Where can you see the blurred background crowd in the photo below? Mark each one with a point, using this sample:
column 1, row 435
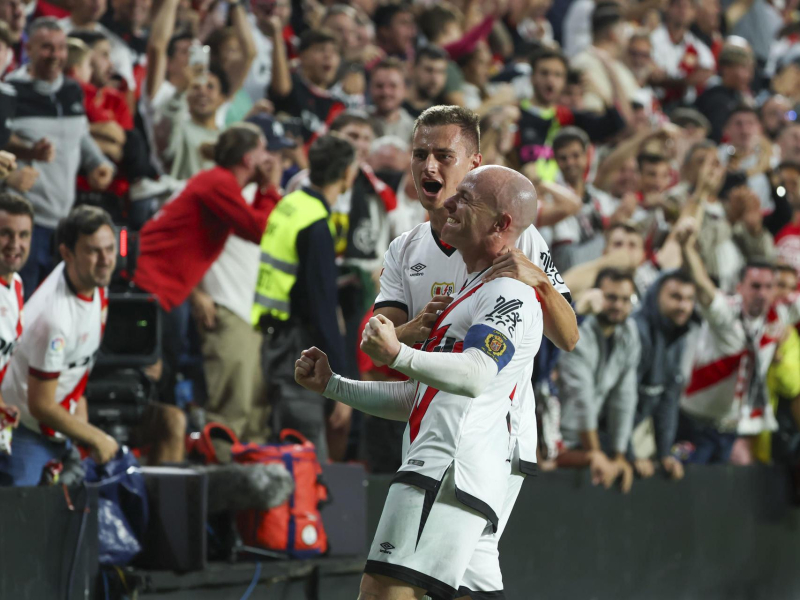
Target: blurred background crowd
column 661, row 135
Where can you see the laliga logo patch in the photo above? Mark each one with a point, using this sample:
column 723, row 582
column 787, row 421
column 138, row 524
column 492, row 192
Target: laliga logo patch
column 495, row 345
column 57, row 344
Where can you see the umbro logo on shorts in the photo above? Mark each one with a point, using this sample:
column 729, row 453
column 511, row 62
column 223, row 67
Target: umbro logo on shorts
column 386, row 548
column 417, row 268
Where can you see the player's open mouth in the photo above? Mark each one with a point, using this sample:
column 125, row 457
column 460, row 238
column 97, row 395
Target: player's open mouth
column 432, row 187
column 451, row 221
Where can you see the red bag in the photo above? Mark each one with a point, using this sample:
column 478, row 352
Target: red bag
column 295, row 527
column 200, row 446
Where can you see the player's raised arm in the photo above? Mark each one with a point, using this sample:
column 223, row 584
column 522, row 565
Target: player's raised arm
column 560, row 323
column 386, row 399
column 466, row 374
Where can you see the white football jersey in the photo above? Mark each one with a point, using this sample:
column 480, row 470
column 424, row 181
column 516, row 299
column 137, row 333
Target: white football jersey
column 418, row 266
column 502, row 319
column 11, row 301
column 61, row 340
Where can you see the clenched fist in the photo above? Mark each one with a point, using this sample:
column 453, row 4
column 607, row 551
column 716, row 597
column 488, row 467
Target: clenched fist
column 312, row 370
column 101, row 176
column 379, row 341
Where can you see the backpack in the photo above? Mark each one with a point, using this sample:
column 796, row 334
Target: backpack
column 295, row 527
column 212, row 445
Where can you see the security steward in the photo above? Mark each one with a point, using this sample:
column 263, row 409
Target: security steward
column 296, row 294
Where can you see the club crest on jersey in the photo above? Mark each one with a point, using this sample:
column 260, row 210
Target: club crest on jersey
column 442, row 289
column 495, row 345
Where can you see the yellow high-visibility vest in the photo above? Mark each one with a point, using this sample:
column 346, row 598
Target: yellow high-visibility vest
column 277, row 272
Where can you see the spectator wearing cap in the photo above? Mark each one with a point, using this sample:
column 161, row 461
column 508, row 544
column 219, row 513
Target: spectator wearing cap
column 59, row 150
column 736, row 69
column 607, row 78
column 221, row 305
column 306, row 93
column 685, row 61
column 387, row 91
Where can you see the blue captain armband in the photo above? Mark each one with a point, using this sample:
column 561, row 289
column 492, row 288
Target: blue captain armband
column 492, row 343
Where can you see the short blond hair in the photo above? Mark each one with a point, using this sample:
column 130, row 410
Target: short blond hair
column 77, row 51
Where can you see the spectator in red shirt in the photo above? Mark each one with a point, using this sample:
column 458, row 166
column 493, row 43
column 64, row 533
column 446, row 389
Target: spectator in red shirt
column 186, row 236
column 110, row 119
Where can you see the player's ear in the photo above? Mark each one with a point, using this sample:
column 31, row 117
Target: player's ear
column 503, row 223
column 477, row 160
column 64, row 252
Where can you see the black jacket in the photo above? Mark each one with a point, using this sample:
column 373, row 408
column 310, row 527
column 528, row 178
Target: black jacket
column 659, row 374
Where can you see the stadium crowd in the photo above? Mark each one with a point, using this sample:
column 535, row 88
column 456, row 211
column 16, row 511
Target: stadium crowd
column 266, row 153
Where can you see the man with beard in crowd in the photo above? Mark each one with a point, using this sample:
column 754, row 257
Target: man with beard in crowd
column 598, row 386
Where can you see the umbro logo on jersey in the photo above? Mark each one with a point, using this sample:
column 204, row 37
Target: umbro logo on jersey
column 386, row 548
column 417, row 268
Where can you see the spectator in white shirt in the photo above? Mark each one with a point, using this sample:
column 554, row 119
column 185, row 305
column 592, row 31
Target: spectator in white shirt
column 686, row 61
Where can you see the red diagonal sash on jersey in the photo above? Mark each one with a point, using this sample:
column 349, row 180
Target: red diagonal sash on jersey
column 69, row 403
column 415, row 420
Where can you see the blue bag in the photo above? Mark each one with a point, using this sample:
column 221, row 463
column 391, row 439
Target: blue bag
column 122, row 507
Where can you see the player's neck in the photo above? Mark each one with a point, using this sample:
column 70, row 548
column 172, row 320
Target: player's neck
column 437, row 219
column 480, row 258
column 329, row 192
column 477, row 260
column 77, row 286
column 6, row 277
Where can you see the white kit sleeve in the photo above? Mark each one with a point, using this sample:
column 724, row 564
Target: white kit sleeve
column 386, row 399
column 464, row 374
